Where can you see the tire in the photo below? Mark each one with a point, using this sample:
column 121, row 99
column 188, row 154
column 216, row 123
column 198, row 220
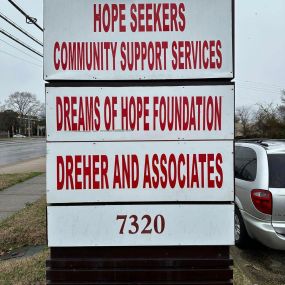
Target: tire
column 241, row 236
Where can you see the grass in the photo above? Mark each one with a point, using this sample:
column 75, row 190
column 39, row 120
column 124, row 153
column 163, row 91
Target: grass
column 7, row 180
column 24, row 271
column 26, row 227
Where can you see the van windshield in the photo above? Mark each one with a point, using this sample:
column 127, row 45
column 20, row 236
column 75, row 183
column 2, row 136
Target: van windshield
column 276, row 163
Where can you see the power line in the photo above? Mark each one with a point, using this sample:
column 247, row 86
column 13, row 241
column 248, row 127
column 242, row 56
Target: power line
column 269, row 89
column 32, row 20
column 259, row 90
column 20, row 42
column 260, row 86
column 260, row 83
column 20, row 29
column 12, row 55
column 38, row 60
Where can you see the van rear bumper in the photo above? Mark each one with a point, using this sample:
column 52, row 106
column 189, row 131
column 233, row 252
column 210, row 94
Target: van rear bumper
column 263, row 231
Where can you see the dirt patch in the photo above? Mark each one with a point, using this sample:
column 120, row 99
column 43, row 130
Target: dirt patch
column 240, row 278
column 32, row 165
column 260, row 265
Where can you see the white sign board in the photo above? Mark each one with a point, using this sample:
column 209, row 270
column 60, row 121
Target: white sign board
column 140, row 172
column 125, row 40
column 140, row 113
column 140, row 225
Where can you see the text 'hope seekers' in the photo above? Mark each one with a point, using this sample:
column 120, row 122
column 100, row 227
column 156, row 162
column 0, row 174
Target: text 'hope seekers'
column 155, row 52
column 144, row 17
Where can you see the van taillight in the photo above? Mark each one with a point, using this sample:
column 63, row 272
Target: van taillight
column 262, row 200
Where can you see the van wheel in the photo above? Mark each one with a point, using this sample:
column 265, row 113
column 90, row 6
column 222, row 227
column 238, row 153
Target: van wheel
column 241, row 236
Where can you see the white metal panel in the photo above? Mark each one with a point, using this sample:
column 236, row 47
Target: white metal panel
column 158, row 171
column 99, row 226
column 208, row 113
column 206, row 28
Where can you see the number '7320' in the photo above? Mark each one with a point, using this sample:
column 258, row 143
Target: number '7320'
column 141, row 225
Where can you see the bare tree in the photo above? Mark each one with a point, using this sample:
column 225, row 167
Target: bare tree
column 243, row 116
column 267, row 121
column 283, row 96
column 26, row 105
column 281, row 108
column 2, row 107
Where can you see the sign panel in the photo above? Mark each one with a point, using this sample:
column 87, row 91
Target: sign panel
column 138, row 225
column 139, row 172
column 140, row 113
column 125, row 40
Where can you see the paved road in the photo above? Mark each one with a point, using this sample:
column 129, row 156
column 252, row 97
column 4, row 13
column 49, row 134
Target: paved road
column 17, row 150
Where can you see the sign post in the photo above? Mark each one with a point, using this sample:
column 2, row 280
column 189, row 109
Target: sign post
column 140, row 129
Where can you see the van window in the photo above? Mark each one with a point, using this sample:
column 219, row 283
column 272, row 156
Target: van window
column 245, row 163
column 276, row 163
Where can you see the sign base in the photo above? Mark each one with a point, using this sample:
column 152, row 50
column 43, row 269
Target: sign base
column 140, row 265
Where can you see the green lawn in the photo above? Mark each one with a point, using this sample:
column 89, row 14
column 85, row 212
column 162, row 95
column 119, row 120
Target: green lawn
column 25, row 228
column 7, row 180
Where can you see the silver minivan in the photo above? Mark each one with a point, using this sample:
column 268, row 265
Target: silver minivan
column 260, row 192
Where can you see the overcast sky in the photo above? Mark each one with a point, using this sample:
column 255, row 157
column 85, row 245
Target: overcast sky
column 259, row 44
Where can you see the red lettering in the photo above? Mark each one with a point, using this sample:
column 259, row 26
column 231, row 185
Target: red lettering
column 95, row 167
column 107, row 113
column 134, row 23
column 205, row 57
column 212, row 55
column 104, row 172
column 122, row 26
column 68, row 171
column 78, row 171
column 86, row 170
column 220, row 177
column 59, row 114
column 146, row 176
column 63, row 56
column 163, row 176
column 56, row 61
column 202, row 160
column 219, row 60
column 66, row 103
column 211, row 182
column 172, row 174
column 182, row 23
column 59, row 173
column 181, row 178
column 195, row 174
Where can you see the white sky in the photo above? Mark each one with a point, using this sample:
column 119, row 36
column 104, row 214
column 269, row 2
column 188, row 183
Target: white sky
column 17, row 74
column 259, row 44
